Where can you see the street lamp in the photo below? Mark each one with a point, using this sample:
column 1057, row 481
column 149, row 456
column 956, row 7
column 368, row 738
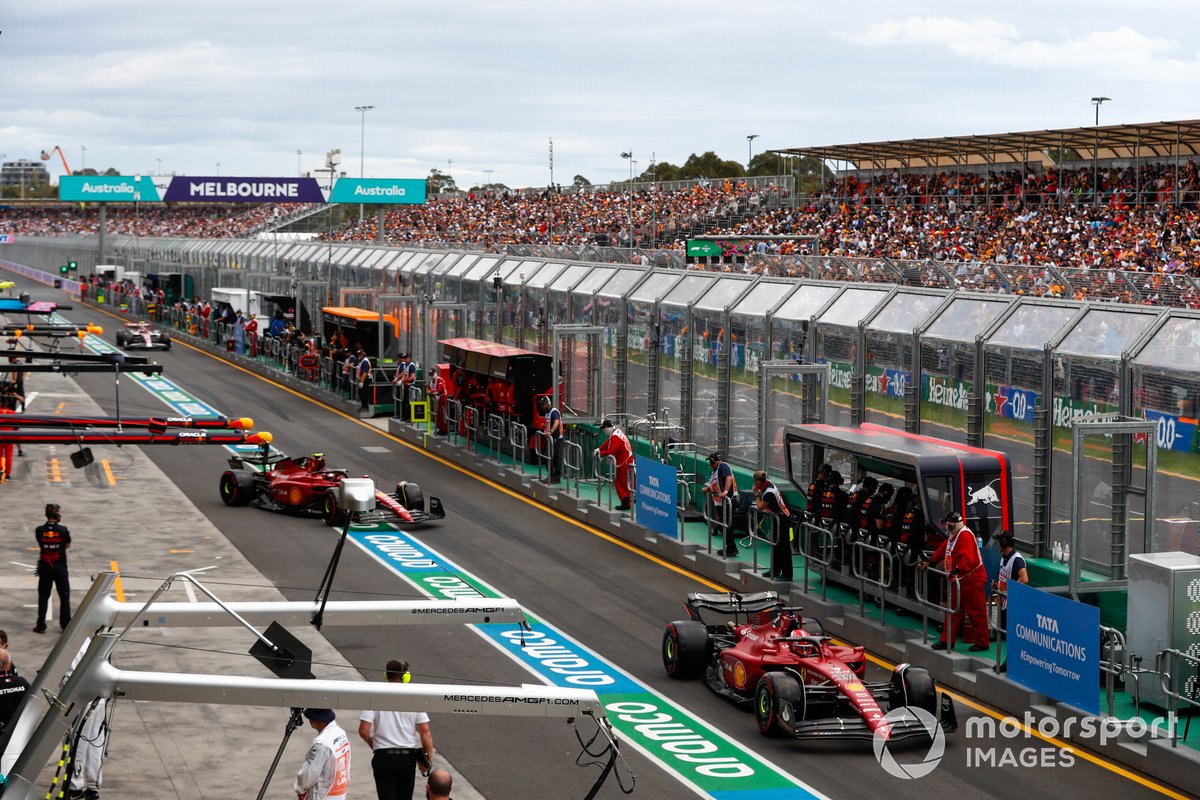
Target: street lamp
column 629, row 157
column 362, row 144
column 488, row 172
column 218, row 169
column 83, row 160
column 299, row 169
column 159, row 160
column 750, row 149
column 1097, row 101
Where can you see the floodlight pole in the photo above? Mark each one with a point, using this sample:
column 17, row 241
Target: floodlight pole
column 362, row 144
column 1097, row 102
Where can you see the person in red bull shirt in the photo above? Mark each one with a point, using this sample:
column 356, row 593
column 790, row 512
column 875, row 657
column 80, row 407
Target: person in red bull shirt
column 53, row 541
column 617, row 445
column 325, row 773
column 964, row 565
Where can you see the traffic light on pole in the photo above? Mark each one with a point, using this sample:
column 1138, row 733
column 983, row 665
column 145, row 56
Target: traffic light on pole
column 63, row 269
column 73, row 265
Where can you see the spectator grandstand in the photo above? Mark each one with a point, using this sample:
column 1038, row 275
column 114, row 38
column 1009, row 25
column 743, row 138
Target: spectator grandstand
column 193, row 221
column 993, row 213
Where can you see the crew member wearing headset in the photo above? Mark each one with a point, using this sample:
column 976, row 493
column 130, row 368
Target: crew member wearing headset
column 963, row 564
column 401, row 742
column 769, row 500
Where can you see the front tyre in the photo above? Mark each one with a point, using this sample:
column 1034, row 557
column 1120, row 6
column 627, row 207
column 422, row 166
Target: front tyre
column 778, row 703
column 331, row 513
column 685, row 649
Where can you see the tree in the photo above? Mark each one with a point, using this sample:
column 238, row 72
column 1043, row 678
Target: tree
column 580, row 181
column 439, row 182
column 662, row 171
column 489, row 187
column 710, row 165
column 112, row 172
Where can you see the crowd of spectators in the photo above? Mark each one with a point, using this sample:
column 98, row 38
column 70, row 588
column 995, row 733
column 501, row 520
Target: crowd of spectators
column 1039, row 232
column 161, row 220
column 577, row 216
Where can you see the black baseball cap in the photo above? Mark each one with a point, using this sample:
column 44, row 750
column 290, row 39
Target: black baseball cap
column 714, row 456
column 952, row 516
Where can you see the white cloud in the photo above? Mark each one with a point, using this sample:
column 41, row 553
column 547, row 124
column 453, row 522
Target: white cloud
column 1121, row 52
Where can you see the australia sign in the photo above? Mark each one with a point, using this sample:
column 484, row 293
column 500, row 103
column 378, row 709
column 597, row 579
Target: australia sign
column 244, row 190
column 392, row 191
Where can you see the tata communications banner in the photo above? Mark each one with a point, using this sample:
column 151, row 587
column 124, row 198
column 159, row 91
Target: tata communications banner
column 1053, row 646
column 657, row 490
column 390, row 191
column 107, row 188
column 244, row 190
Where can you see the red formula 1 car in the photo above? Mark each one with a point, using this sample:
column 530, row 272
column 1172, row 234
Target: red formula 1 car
column 305, row 485
column 799, row 683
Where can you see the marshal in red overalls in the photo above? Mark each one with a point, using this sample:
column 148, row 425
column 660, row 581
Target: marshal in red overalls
column 968, row 579
column 617, row 445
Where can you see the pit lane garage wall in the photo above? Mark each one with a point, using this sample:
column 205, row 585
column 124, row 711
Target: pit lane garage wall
column 639, row 295
column 685, row 347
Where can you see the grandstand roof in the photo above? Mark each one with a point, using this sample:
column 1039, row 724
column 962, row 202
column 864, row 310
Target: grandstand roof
column 1144, row 140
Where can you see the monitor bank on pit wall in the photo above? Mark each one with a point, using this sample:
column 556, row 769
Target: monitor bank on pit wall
column 206, row 189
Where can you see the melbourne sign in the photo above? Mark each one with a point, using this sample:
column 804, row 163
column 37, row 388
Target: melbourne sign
column 107, row 188
column 390, row 191
column 1053, row 646
column 244, row 190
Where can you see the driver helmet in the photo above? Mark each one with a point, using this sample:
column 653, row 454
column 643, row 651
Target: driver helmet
column 317, row 460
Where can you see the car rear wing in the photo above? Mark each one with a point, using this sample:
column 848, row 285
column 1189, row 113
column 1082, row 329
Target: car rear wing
column 734, row 602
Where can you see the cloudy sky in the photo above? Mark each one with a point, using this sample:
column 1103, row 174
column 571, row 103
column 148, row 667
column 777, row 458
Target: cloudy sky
column 486, row 84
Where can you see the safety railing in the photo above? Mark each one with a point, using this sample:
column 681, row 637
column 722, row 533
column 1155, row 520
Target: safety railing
column 718, row 516
column 685, row 457
column 471, row 417
column 937, row 597
column 518, row 440
column 683, row 502
column 1179, row 674
column 573, row 466
column 453, row 413
column 543, row 452
column 755, row 533
column 872, row 564
column 495, row 434
column 604, row 468
column 996, row 624
column 818, row 544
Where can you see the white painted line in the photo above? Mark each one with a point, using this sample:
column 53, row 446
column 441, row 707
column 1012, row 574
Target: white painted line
column 374, row 448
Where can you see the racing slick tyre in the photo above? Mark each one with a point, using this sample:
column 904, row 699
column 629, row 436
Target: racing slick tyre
column 773, row 691
column 331, row 514
column 913, row 687
column 121, row 340
column 166, row 340
column 686, row 649
column 410, row 496
column 237, row 487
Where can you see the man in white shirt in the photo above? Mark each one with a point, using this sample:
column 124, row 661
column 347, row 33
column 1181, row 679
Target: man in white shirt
column 325, row 773
column 400, row 740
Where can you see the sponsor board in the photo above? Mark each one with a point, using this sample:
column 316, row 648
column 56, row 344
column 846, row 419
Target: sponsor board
column 701, row 757
column 7, row 238
column 243, row 190
column 390, row 191
column 657, row 496
column 107, row 188
column 943, row 391
column 879, row 380
column 1010, row 402
column 1053, row 646
column 1174, row 432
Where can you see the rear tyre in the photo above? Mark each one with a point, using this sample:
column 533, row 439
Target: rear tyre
column 121, row 339
column 331, row 512
column 166, row 340
column 685, row 649
column 778, row 699
column 410, row 495
column 913, row 687
column 237, row 487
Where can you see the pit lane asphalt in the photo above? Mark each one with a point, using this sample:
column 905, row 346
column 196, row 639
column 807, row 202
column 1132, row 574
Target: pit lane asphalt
column 611, row 599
